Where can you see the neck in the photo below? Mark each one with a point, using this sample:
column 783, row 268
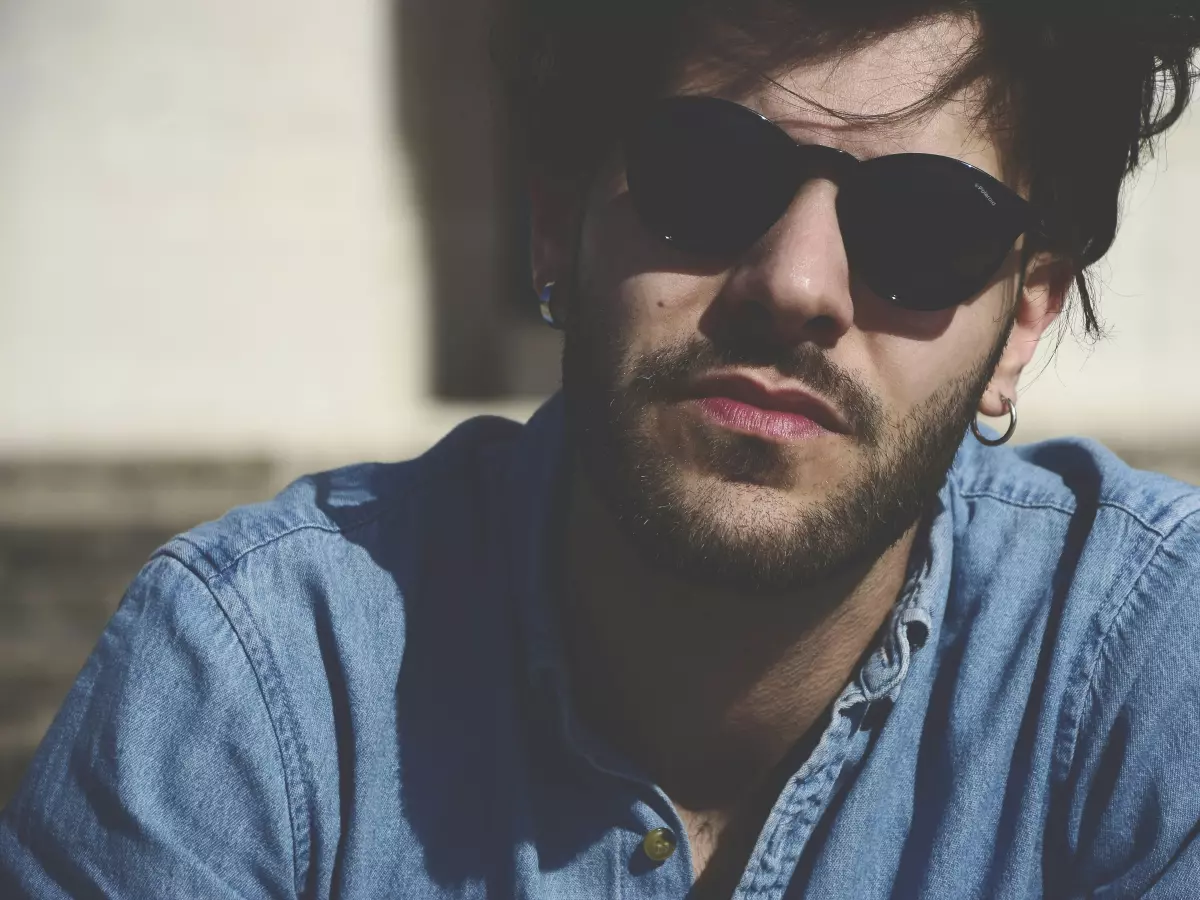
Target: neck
column 708, row 690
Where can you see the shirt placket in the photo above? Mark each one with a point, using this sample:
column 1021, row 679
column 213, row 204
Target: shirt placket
column 658, row 856
column 807, row 795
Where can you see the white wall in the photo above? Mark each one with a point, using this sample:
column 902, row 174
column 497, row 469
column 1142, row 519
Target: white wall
column 207, row 243
column 1142, row 383
column 203, row 242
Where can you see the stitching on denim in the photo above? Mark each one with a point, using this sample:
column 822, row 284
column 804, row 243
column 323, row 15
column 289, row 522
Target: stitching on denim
column 218, row 572
column 1073, row 717
column 1076, row 700
column 375, row 517
column 976, row 493
column 293, row 781
column 290, row 736
column 265, row 542
column 794, row 820
column 271, row 688
column 1186, row 846
column 1103, row 504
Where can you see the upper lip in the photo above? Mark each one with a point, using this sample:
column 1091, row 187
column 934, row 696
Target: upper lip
column 781, row 398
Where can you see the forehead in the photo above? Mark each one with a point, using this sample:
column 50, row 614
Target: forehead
column 850, row 99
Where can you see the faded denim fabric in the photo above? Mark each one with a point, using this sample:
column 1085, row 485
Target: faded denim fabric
column 355, row 690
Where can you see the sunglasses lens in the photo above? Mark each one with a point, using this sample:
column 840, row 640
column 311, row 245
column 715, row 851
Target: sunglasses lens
column 926, row 232
column 712, row 177
column 708, row 175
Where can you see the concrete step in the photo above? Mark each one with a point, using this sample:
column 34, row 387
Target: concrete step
column 58, row 588
column 73, row 534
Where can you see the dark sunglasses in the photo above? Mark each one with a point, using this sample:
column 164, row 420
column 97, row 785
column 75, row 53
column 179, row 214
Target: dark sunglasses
column 923, row 231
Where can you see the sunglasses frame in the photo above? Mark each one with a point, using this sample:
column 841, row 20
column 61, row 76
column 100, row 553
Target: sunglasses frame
column 1014, row 215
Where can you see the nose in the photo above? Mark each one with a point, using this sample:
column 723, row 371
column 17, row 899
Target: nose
column 794, row 284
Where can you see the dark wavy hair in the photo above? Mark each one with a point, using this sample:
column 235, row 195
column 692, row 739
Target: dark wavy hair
column 1076, row 92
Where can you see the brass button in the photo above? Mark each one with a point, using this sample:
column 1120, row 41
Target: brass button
column 659, row 844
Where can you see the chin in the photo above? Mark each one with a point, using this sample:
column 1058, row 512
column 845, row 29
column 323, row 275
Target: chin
column 742, row 500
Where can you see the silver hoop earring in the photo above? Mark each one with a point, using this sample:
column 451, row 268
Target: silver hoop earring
column 1010, row 407
column 545, row 300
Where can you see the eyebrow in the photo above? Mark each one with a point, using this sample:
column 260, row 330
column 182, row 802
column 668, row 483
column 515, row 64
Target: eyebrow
column 836, row 124
column 811, row 130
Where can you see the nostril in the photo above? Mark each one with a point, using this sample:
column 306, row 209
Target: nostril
column 824, row 330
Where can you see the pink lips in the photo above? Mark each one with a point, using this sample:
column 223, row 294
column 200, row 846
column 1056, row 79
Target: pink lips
column 768, row 423
column 777, row 412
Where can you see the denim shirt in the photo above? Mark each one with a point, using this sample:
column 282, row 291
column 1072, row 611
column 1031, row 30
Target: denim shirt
column 356, row 690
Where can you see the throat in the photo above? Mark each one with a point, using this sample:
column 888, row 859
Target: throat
column 717, row 698
column 722, row 841
column 704, row 698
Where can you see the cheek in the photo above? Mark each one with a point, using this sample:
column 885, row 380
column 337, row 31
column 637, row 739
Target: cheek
column 914, row 354
column 658, row 309
column 635, row 282
column 911, row 371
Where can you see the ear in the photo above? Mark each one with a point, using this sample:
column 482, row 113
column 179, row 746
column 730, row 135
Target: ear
column 1047, row 280
column 554, row 207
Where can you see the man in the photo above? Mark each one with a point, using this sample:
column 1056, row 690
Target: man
column 740, row 613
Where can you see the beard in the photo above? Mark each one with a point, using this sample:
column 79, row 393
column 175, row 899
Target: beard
column 736, row 527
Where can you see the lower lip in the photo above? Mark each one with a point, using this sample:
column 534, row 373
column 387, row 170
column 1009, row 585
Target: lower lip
column 768, row 423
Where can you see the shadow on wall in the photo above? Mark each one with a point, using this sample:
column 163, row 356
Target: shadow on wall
column 449, row 120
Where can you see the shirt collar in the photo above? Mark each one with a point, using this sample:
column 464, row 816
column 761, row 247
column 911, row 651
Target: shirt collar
column 918, row 609
column 536, row 499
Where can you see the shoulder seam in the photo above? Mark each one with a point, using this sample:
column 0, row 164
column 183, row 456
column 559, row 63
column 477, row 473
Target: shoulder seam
column 1103, row 504
column 385, row 511
column 220, row 570
column 293, row 780
column 973, row 493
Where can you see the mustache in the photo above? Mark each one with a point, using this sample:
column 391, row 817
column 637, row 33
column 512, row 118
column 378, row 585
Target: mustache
column 666, row 374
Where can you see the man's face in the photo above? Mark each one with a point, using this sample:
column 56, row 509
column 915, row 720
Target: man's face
column 668, row 357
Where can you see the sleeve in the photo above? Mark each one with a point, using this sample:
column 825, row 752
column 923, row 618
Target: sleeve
column 1133, row 809
column 161, row 775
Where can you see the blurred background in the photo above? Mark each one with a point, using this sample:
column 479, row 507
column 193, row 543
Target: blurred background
column 244, row 240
